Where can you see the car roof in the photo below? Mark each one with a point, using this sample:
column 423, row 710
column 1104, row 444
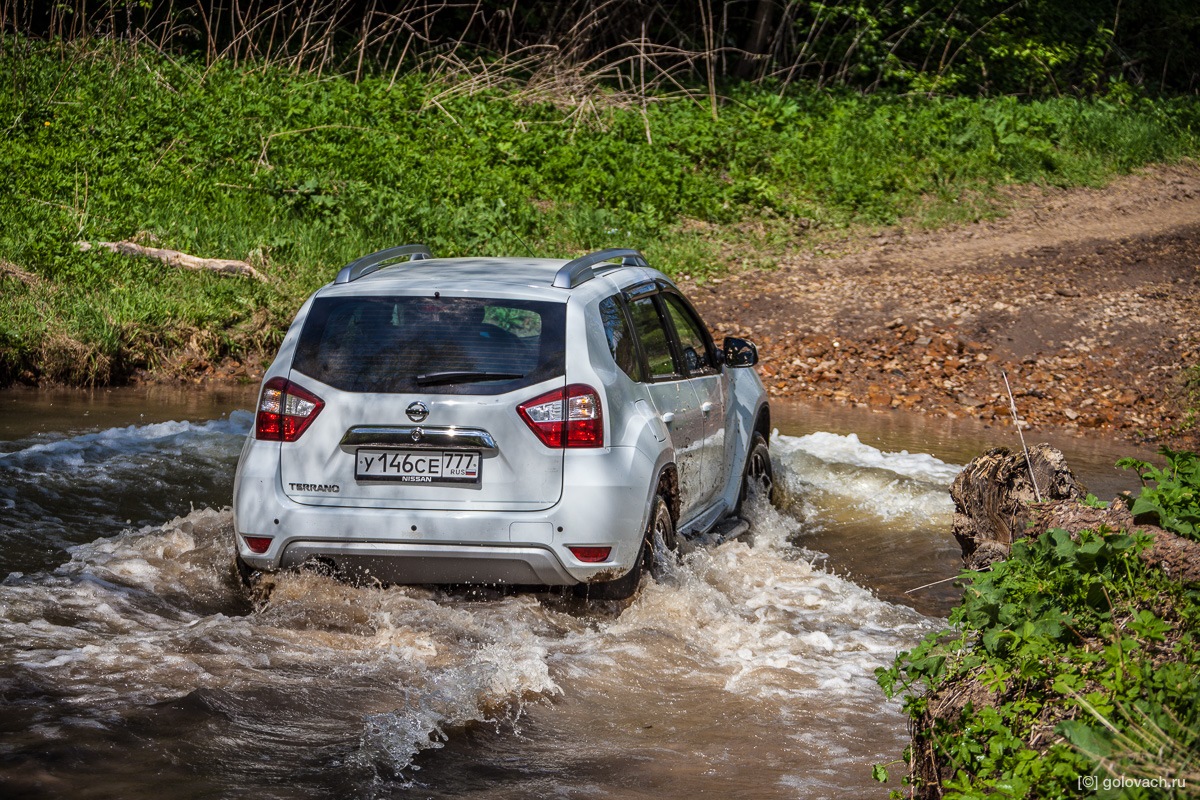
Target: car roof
column 474, row 272
column 380, row 272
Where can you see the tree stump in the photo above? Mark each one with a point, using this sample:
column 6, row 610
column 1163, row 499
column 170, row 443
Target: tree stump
column 995, row 505
column 993, row 496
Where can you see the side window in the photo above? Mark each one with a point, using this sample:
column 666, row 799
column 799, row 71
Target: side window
column 620, row 340
column 653, row 336
column 692, row 341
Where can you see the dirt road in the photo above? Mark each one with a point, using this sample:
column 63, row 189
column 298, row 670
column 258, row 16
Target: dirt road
column 1089, row 301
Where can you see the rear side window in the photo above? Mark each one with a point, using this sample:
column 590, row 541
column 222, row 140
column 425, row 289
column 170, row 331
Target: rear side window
column 620, row 340
column 447, row 345
column 653, row 335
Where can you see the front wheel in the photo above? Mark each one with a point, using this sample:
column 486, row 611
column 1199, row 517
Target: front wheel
column 758, row 473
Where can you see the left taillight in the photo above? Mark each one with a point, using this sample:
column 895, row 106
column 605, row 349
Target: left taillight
column 567, row 417
column 285, row 410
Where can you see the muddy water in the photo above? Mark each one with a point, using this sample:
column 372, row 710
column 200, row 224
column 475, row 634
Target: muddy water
column 131, row 664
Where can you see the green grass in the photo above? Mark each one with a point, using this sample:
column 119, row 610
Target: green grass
column 300, row 174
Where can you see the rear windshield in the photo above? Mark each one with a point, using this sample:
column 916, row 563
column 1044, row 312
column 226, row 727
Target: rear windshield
column 448, row 345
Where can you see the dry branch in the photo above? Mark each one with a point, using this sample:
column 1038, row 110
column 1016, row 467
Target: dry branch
column 174, row 258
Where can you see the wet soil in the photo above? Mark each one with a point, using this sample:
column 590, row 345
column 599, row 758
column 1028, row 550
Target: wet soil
column 1087, row 299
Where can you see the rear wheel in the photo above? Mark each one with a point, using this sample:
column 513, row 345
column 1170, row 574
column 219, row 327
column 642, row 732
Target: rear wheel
column 660, row 533
column 247, row 574
column 758, row 472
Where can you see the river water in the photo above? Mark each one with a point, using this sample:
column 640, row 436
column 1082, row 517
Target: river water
column 132, row 664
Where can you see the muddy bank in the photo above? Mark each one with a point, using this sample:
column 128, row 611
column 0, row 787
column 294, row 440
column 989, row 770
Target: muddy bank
column 1088, row 299
column 1105, row 629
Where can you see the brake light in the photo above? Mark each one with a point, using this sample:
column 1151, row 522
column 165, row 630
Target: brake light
column 258, row 544
column 568, row 417
column 285, row 410
column 591, row 555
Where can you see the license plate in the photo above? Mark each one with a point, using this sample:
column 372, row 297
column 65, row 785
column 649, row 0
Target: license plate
column 417, row 466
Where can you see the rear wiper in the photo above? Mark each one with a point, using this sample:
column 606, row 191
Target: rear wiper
column 459, row 376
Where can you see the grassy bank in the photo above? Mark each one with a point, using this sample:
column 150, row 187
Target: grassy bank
column 1068, row 670
column 299, row 173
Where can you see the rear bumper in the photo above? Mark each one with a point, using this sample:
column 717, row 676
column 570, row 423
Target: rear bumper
column 391, row 562
column 597, row 509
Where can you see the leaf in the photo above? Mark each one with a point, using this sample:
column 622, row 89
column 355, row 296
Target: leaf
column 1093, row 742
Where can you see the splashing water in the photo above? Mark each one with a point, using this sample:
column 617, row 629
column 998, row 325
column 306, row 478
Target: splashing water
column 745, row 667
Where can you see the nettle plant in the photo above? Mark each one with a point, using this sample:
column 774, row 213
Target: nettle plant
column 1174, row 497
column 1070, row 660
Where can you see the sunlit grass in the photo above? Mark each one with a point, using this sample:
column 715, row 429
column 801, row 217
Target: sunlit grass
column 299, row 174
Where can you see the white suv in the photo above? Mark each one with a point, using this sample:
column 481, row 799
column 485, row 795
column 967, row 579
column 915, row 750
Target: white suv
column 496, row 421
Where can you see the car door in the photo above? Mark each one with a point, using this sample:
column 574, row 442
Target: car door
column 673, row 395
column 699, row 358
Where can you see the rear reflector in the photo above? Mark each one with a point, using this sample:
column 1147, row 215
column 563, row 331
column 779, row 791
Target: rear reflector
column 567, row 417
column 285, row 410
column 591, row 555
column 257, row 544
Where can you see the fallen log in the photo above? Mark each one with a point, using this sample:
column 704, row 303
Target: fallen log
column 174, row 258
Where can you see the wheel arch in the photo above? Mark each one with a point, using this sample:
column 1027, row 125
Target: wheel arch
column 668, row 486
column 762, row 421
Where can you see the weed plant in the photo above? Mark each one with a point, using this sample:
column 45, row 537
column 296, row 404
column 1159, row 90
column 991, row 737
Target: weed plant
column 1171, row 495
column 299, row 173
column 1072, row 663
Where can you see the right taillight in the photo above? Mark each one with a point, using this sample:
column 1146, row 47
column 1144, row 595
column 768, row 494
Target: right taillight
column 567, row 417
column 258, row 544
column 285, row 410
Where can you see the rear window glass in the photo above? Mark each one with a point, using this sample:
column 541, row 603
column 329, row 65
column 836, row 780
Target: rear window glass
column 448, row 345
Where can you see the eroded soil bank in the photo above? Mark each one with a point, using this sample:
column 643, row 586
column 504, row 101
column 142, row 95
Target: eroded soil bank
column 1089, row 300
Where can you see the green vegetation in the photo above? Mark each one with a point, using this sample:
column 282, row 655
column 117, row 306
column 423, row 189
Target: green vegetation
column 1071, row 666
column 297, row 136
column 300, row 173
column 1174, row 497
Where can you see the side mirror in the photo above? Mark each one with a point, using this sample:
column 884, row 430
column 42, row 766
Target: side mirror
column 739, row 352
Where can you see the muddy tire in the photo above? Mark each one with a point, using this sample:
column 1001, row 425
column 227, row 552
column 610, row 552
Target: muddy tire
column 758, row 471
column 661, row 527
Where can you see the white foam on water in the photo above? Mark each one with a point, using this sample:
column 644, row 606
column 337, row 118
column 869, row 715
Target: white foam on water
column 765, row 608
column 113, row 444
column 896, row 486
column 128, row 622
column 836, row 448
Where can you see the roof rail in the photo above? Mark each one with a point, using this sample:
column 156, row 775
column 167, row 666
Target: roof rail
column 367, row 264
column 580, row 270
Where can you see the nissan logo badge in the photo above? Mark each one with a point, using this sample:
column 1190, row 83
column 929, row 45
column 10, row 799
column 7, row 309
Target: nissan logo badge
column 417, row 411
